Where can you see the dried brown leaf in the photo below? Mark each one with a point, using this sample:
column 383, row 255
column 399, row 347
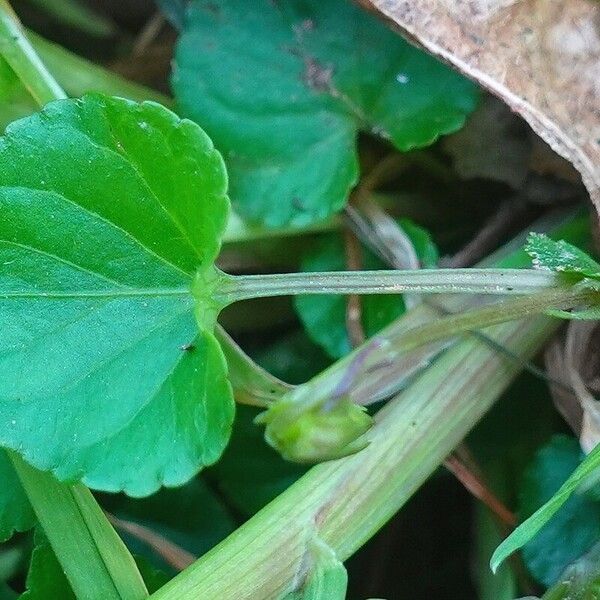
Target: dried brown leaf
column 542, row 57
column 574, row 360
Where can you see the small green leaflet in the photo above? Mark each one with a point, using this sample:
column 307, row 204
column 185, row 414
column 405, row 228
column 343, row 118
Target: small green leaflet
column 16, row 513
column 108, row 209
column 46, row 578
column 529, row 528
column 324, row 317
column 327, row 578
column 283, row 88
column 560, row 256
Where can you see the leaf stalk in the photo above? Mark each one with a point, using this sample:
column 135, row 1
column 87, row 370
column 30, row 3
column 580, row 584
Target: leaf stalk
column 94, row 558
column 425, row 281
column 23, row 59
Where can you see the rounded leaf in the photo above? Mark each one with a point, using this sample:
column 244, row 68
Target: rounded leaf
column 108, row 208
column 284, row 88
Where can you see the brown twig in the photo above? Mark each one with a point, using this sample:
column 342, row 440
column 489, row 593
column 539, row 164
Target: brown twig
column 467, row 474
column 508, row 217
column 171, row 553
column 148, row 34
column 474, row 483
column 354, row 325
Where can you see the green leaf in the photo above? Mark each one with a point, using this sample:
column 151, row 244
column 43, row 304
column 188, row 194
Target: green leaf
column 529, row 528
column 324, row 317
column 283, row 88
column 576, row 525
column 108, row 207
column 16, row 513
column 560, row 256
column 45, row 578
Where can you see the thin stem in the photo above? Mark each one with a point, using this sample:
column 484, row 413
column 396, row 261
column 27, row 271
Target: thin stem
column 475, row 485
column 78, row 75
column 23, row 60
column 92, row 555
column 427, row 281
column 497, row 313
column 171, row 553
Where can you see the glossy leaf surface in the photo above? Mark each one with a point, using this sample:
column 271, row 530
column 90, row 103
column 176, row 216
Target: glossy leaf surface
column 108, row 207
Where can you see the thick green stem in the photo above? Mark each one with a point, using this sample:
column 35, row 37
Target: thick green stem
column 23, row 60
column 95, row 560
column 426, row 281
column 347, row 500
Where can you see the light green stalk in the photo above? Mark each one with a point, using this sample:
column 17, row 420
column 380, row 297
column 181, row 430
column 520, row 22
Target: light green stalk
column 348, row 500
column 23, row 60
column 423, row 281
column 78, row 76
column 96, row 561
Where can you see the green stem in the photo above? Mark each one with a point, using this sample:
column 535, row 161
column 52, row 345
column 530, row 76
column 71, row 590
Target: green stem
column 79, row 76
column 95, row 560
column 426, row 281
column 349, row 499
column 501, row 312
column 23, row 60
column 251, row 384
column 376, row 370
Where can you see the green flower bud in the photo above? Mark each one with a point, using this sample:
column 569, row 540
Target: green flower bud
column 318, row 432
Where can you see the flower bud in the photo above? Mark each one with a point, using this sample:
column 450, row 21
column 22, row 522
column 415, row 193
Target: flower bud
column 318, row 432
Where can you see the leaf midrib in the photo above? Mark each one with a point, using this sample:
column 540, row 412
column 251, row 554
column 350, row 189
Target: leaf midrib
column 101, row 294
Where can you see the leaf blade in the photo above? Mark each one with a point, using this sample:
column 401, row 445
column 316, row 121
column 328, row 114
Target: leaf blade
column 284, row 90
column 526, row 530
column 94, row 308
